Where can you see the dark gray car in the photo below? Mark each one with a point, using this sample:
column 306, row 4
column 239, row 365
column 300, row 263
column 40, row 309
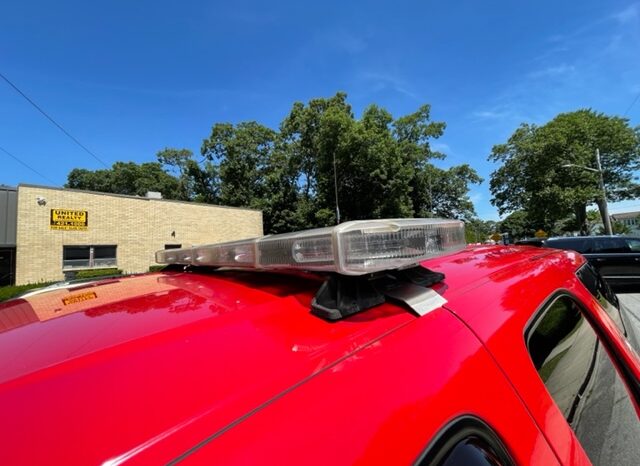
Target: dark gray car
column 617, row 258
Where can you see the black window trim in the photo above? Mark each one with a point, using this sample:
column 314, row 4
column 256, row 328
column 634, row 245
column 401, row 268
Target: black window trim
column 91, row 260
column 631, row 383
column 602, row 281
column 456, row 431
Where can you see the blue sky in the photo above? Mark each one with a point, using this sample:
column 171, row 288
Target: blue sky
column 130, row 78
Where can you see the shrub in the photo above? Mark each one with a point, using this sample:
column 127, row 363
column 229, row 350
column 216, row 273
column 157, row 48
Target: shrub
column 94, row 273
column 8, row 292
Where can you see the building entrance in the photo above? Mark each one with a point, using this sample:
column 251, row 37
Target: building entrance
column 7, row 266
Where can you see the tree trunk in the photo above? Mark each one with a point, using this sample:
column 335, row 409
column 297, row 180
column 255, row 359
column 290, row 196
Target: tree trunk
column 603, row 214
column 581, row 219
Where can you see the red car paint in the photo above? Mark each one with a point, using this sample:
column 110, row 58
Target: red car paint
column 232, row 368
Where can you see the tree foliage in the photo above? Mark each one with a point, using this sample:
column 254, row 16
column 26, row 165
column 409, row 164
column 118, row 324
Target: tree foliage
column 196, row 182
column 618, row 228
column 533, row 177
column 478, row 231
column 320, row 159
column 518, row 225
column 126, row 178
column 377, row 165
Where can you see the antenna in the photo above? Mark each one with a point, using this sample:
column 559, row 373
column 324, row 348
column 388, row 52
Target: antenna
column 335, row 186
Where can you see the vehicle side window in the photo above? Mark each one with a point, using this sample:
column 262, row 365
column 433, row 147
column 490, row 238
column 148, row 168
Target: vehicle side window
column 610, row 245
column 466, row 441
column 583, row 382
column 600, row 290
column 471, row 451
column 634, row 244
column 574, row 244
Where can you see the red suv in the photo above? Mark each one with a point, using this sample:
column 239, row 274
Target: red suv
column 374, row 342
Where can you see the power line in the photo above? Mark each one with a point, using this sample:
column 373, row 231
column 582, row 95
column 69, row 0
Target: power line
column 29, row 167
column 632, row 104
column 52, row 120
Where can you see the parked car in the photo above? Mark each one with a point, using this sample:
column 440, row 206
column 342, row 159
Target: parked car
column 531, row 242
column 373, row 342
column 617, row 258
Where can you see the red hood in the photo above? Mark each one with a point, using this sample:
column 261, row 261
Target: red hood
column 143, row 368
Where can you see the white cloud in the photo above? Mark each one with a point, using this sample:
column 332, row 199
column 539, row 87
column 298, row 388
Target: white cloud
column 493, row 114
column 573, row 73
column 381, row 81
column 440, row 147
column 629, row 14
column 552, row 71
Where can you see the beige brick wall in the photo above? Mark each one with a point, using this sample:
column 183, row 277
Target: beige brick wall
column 138, row 226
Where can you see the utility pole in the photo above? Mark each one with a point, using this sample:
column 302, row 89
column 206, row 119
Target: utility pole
column 335, row 187
column 602, row 205
column 606, row 220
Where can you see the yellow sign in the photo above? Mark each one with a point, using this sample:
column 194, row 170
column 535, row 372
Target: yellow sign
column 79, row 298
column 540, row 234
column 64, row 219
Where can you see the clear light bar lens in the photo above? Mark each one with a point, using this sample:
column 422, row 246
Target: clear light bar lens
column 226, row 254
column 351, row 248
column 174, row 256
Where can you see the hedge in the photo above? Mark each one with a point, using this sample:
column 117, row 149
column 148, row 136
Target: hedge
column 97, row 273
column 8, row 292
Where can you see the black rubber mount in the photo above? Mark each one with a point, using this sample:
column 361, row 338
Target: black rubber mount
column 341, row 296
column 418, row 276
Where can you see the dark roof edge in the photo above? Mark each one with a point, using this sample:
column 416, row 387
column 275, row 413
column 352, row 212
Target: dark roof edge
column 139, row 198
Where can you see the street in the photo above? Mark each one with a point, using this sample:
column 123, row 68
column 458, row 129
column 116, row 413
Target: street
column 631, row 303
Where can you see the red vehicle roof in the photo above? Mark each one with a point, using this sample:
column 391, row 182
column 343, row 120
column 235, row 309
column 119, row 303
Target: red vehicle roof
column 233, row 367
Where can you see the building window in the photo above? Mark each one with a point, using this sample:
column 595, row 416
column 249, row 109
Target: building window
column 83, row 257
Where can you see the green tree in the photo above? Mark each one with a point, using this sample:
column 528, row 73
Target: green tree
column 518, row 225
column 477, row 231
column 242, row 154
column 316, row 137
column 321, row 157
column 126, row 178
column 197, row 182
column 532, row 176
column 619, row 228
column 448, row 192
column 413, row 134
column 377, row 166
column 591, row 224
column 255, row 169
column 98, row 180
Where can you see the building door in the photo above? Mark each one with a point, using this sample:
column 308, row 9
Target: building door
column 7, row 266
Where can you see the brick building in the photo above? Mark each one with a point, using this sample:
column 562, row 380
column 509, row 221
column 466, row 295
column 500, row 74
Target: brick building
column 60, row 231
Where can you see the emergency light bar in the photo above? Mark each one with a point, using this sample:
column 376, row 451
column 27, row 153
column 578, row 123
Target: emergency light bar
column 351, row 248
